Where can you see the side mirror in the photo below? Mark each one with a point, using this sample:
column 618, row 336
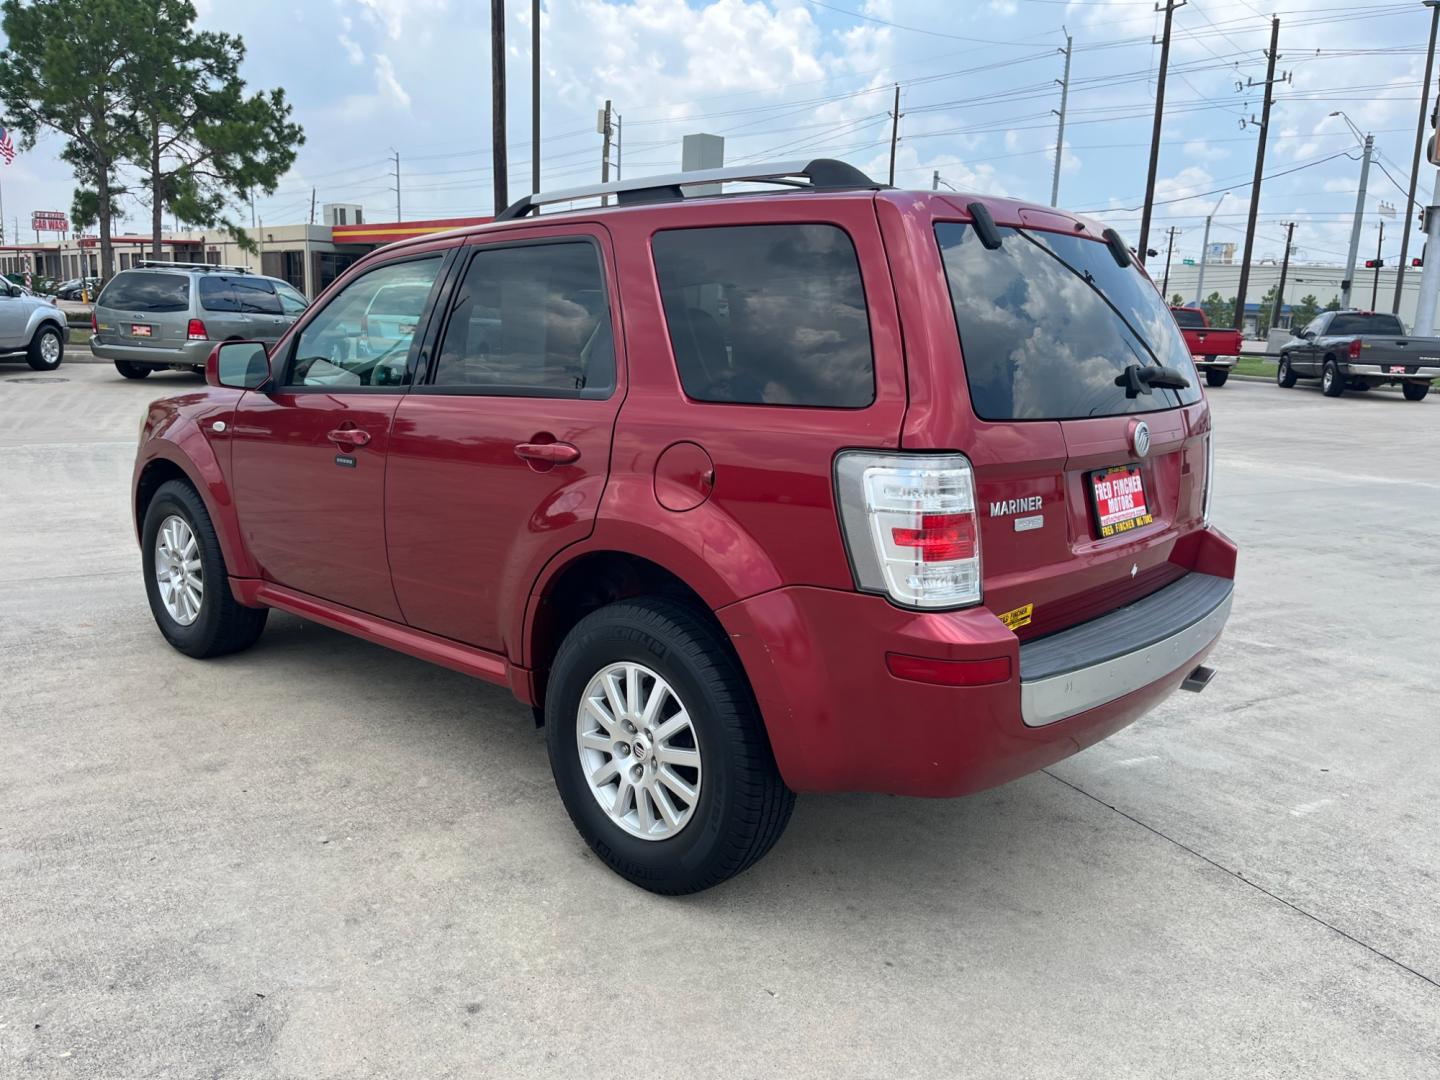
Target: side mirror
column 239, row 365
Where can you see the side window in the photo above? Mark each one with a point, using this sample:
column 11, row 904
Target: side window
column 1315, row 325
column 362, row 337
column 233, row 292
column 767, row 314
column 530, row 320
column 292, row 301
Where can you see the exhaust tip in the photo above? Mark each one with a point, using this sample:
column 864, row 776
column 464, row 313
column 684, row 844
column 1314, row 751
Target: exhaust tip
column 1198, row 679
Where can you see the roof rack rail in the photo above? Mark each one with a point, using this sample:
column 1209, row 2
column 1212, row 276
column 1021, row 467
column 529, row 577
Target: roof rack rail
column 161, row 264
column 819, row 174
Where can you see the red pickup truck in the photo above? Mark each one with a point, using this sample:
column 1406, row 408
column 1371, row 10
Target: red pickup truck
column 1215, row 351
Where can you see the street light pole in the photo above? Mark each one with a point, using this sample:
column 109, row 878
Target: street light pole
column 1379, row 247
column 1205, row 247
column 1434, row 6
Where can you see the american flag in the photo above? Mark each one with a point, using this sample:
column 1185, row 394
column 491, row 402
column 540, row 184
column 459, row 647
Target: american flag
column 7, row 147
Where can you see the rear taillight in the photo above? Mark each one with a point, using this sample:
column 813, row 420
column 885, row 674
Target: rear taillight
column 1355, row 348
column 94, row 323
column 910, row 526
column 196, row 331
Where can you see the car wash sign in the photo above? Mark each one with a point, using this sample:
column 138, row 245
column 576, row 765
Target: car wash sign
column 49, row 221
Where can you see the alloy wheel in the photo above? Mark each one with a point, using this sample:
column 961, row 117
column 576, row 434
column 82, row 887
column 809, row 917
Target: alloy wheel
column 638, row 751
column 50, row 348
column 178, row 570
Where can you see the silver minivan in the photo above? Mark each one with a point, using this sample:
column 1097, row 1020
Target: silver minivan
column 170, row 315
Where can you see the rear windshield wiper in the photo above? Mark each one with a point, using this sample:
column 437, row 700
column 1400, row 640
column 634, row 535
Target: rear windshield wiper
column 1140, row 379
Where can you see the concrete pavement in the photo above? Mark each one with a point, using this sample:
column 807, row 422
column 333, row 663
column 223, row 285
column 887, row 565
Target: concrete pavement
column 321, row 859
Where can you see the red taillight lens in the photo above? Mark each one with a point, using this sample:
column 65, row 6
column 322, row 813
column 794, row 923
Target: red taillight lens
column 940, row 538
column 196, row 331
column 94, row 323
column 1355, row 349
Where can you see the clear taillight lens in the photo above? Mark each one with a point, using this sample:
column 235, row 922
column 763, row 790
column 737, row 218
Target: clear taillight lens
column 910, row 526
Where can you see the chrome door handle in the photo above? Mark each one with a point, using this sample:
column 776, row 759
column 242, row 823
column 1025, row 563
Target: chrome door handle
column 349, row 437
column 554, row 453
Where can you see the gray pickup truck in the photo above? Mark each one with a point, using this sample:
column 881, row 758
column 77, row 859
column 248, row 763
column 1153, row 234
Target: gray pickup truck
column 1357, row 350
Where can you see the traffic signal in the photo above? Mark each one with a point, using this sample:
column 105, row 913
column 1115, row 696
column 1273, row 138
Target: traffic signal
column 1374, row 264
column 1417, row 262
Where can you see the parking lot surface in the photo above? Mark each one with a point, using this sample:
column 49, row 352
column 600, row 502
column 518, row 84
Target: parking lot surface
column 322, row 859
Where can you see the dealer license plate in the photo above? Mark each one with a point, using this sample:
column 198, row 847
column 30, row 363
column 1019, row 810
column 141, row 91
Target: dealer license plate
column 139, row 330
column 1397, row 369
column 1118, row 496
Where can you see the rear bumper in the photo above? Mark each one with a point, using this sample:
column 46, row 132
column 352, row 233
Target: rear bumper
column 1226, row 362
column 1382, row 371
column 190, row 354
column 838, row 720
column 1099, row 661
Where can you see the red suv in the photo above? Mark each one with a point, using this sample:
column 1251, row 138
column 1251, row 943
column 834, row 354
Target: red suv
column 832, row 488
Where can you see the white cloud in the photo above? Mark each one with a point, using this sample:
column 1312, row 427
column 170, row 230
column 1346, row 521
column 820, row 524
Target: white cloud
column 353, row 52
column 387, row 84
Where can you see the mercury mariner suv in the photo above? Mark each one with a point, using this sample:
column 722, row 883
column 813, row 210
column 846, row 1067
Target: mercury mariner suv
column 747, row 493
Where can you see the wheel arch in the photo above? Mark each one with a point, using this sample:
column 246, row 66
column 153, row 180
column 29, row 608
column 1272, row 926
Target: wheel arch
column 586, row 581
column 180, row 461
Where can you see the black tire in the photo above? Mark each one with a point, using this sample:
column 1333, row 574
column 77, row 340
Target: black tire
column 1332, row 383
column 46, row 336
column 1415, row 391
column 133, row 371
column 223, row 625
column 1216, row 378
column 1285, row 374
column 743, row 804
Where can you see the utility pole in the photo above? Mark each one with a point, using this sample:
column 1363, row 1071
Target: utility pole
column 397, row 184
column 1430, row 275
column 1060, row 134
column 1349, row 282
column 1434, row 6
column 1170, row 6
column 935, row 180
column 1284, row 270
column 606, row 129
column 1169, row 248
column 1269, row 99
column 1379, row 247
column 535, row 95
column 497, row 104
column 894, row 132
column 312, row 206
column 1205, row 250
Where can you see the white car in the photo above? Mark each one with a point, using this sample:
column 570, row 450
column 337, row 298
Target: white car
column 34, row 324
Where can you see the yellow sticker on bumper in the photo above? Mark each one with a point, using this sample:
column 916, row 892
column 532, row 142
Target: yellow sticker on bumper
column 1014, row 620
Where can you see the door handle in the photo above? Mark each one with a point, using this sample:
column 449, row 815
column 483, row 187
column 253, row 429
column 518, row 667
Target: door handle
column 552, row 453
column 350, row 438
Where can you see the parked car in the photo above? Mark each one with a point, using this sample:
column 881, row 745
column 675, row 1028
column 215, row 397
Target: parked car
column 76, row 288
column 1358, row 350
column 1215, row 351
column 714, row 484
column 170, row 315
column 32, row 323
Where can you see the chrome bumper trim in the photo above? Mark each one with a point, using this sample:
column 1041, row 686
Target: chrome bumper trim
column 1382, row 369
column 1047, row 700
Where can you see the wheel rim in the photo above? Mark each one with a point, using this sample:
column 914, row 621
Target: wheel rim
column 1329, row 378
column 178, row 571
column 50, row 348
column 1284, row 368
column 638, row 751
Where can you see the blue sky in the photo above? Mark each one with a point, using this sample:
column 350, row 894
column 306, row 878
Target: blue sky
column 782, row 79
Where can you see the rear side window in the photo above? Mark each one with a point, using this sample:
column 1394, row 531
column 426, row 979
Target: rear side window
column 234, row 292
column 767, row 315
column 140, row 291
column 1346, row 325
column 1047, row 322
column 1188, row 319
column 531, row 320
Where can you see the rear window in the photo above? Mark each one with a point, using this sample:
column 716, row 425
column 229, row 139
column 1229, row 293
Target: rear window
column 1188, row 319
column 1346, row 325
column 136, row 290
column 236, row 292
column 767, row 315
column 1047, row 323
